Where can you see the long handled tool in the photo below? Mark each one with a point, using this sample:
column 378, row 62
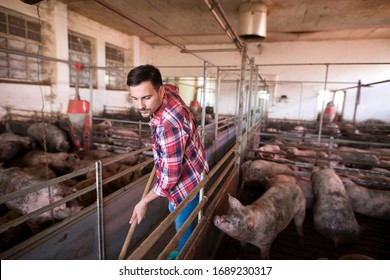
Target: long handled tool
column 134, row 224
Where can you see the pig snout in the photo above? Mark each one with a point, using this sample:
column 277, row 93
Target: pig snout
column 217, row 221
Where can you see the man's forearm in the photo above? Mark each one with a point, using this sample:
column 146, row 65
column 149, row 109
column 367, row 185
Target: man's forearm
column 149, row 197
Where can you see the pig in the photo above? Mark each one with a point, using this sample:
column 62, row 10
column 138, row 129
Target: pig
column 89, row 197
column 267, row 151
column 348, row 129
column 15, row 179
column 98, row 154
column 310, row 156
column 111, row 170
column 331, row 129
column 9, row 150
column 258, row 170
column 332, row 213
column 357, row 158
column 11, row 137
column 60, row 162
column 56, row 138
column 260, row 222
column 381, row 153
column 303, row 182
column 307, row 189
column 40, row 171
column 12, row 145
column 369, row 202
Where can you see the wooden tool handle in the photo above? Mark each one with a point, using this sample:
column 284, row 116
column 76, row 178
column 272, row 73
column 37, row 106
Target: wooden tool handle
column 134, row 224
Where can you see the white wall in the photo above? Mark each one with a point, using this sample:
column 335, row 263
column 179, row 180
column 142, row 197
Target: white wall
column 305, row 81
column 362, row 51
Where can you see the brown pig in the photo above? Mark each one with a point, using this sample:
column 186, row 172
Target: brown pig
column 12, row 145
column 303, row 182
column 332, row 214
column 56, row 138
column 259, row 170
column 260, row 222
column 59, row 162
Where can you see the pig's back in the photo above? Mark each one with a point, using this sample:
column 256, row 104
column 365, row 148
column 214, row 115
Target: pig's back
column 280, row 203
column 332, row 214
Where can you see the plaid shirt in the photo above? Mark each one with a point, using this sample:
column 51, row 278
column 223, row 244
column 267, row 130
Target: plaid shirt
column 179, row 157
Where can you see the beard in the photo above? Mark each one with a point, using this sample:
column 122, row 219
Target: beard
column 145, row 112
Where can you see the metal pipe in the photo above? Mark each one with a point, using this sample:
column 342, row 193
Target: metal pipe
column 204, row 101
column 37, row 56
column 203, row 126
column 241, row 100
column 323, row 106
column 365, row 85
column 326, row 63
column 99, row 209
column 208, row 50
column 217, row 94
column 237, row 96
column 357, row 100
column 91, row 106
column 250, row 92
column 224, row 22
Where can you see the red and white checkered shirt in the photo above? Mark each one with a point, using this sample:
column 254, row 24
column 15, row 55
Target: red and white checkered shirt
column 179, row 157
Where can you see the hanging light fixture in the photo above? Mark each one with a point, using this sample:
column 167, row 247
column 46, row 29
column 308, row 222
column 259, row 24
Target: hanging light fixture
column 252, row 21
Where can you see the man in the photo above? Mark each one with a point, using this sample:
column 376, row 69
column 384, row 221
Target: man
column 179, row 157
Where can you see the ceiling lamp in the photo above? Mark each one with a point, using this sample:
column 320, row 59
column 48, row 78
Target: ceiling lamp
column 252, row 21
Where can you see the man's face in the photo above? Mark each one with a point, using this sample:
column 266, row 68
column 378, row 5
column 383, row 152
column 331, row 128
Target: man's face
column 146, row 99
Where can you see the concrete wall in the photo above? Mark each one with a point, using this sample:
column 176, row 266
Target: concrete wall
column 301, row 84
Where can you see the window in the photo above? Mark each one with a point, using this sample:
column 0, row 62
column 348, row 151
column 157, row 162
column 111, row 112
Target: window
column 22, row 35
column 115, row 63
column 80, row 51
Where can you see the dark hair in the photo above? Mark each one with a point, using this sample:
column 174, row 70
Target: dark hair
column 144, row 73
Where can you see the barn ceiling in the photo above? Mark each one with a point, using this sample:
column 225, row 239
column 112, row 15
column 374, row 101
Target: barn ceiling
column 187, row 22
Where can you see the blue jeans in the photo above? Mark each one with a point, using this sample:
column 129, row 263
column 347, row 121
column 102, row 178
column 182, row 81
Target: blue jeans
column 180, row 220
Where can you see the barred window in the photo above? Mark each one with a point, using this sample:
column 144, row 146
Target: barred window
column 22, row 36
column 115, row 62
column 81, row 51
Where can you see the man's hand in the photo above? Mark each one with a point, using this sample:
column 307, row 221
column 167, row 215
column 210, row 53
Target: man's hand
column 139, row 212
column 140, row 209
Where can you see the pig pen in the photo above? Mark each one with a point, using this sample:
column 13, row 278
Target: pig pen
column 95, row 232
column 366, row 165
column 78, row 236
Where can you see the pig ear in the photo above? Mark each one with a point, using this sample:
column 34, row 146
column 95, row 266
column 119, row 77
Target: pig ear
column 234, row 203
column 250, row 223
